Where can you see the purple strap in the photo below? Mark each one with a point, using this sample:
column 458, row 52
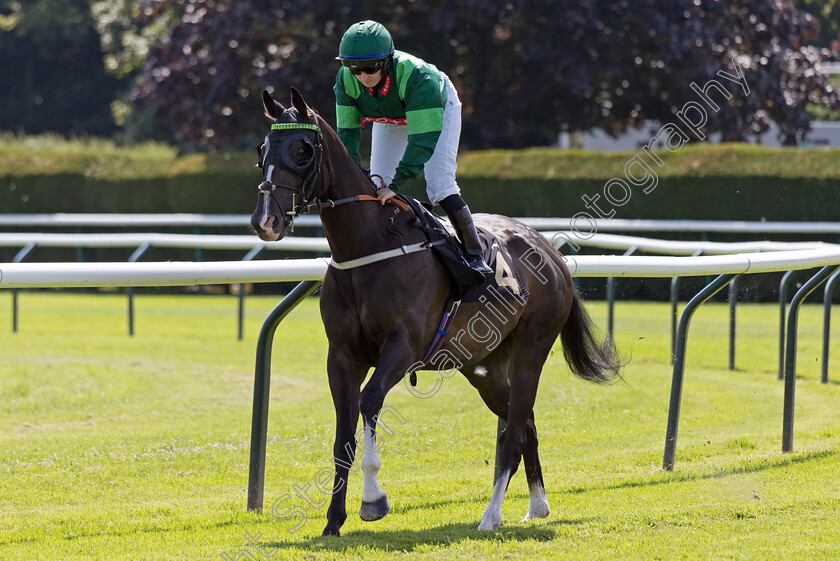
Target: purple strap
column 442, row 330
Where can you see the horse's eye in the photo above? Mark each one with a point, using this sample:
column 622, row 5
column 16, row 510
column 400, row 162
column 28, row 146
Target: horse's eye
column 304, row 153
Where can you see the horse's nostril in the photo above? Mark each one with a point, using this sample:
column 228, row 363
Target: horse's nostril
column 267, row 223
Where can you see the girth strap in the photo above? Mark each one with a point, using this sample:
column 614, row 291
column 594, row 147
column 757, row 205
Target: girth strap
column 383, row 255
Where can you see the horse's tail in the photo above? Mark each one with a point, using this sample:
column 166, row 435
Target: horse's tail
column 591, row 359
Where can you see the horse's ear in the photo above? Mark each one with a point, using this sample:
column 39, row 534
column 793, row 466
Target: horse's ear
column 273, row 108
column 300, row 104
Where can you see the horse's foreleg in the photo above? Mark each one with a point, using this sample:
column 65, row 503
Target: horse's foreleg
column 374, row 500
column 345, row 382
column 391, row 369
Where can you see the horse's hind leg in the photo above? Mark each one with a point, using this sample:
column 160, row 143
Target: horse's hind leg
column 537, row 501
column 527, row 361
column 490, row 378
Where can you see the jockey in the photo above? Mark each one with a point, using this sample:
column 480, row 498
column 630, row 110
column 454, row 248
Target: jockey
column 416, row 116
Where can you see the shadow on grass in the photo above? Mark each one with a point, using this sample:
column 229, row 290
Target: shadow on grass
column 665, row 478
column 479, row 501
column 440, row 536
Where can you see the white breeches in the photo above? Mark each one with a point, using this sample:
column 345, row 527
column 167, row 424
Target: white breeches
column 388, row 143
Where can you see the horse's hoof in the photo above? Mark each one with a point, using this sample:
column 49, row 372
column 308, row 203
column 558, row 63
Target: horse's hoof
column 534, row 514
column 490, row 521
column 536, row 510
column 328, row 531
column 375, row 510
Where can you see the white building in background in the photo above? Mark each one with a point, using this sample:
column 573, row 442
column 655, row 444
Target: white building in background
column 823, row 134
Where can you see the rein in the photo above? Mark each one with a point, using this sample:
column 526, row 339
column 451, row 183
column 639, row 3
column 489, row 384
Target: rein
column 396, row 200
column 329, row 203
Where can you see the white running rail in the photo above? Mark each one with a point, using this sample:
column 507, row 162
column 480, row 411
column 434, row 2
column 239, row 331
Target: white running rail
column 44, row 275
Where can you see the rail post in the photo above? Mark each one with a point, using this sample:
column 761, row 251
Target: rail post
column 679, row 366
column 248, row 257
column 130, row 290
column 675, row 298
column 19, row 257
column 790, row 352
column 611, row 296
column 783, row 289
column 827, row 296
column 262, row 379
column 733, row 301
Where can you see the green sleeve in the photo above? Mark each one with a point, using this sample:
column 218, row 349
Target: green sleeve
column 352, row 138
column 424, row 100
column 347, row 114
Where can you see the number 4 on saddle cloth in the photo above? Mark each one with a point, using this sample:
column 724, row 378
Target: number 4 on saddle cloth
column 468, row 285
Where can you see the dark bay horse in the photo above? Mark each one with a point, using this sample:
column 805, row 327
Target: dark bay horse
column 383, row 312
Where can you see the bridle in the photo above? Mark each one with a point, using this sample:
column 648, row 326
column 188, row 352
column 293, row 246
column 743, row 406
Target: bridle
column 308, row 170
column 312, row 186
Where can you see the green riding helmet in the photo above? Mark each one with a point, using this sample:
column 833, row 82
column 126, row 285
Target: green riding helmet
column 363, row 42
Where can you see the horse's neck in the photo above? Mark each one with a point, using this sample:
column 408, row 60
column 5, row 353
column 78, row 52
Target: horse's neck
column 352, row 229
column 355, row 229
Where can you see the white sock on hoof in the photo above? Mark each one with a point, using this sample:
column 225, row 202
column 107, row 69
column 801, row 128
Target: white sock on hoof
column 537, row 504
column 492, row 517
column 371, row 492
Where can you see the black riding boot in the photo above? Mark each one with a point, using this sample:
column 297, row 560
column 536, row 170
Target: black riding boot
column 462, row 220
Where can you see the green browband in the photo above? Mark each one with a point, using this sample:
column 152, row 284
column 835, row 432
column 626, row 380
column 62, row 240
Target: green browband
column 287, row 126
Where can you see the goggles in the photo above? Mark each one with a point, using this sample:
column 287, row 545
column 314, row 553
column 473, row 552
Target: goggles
column 368, row 69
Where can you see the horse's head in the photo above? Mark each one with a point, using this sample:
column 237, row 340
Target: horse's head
column 291, row 158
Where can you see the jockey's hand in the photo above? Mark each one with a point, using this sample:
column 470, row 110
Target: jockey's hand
column 385, row 195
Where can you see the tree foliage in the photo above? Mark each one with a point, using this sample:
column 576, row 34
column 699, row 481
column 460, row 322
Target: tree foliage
column 53, row 77
column 525, row 69
column 690, row 41
column 827, row 13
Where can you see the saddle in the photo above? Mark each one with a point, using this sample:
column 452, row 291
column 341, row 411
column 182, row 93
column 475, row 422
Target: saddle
column 449, row 253
column 468, row 284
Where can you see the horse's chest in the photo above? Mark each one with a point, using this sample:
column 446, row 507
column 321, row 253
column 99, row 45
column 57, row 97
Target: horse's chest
column 356, row 318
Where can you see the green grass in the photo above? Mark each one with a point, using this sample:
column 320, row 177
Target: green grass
column 102, row 159
column 118, row 447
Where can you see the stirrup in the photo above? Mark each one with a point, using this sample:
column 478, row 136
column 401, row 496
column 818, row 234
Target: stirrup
column 477, row 263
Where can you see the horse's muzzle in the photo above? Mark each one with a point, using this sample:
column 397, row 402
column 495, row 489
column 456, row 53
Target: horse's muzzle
column 268, row 226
